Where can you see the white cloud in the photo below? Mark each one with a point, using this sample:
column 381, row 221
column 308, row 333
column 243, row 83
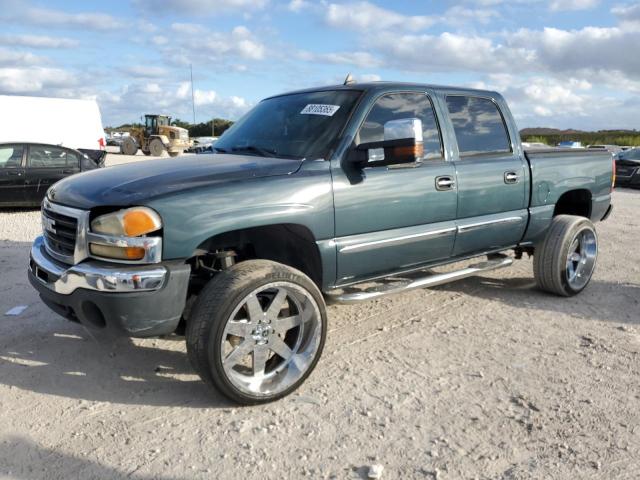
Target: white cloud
column 199, row 7
column 35, row 80
column 368, row 77
column 446, row 52
column 358, row 59
column 145, row 71
column 629, row 13
column 560, row 5
column 298, row 5
column 195, row 43
column 37, row 41
column 460, row 15
column 170, row 99
column 589, row 49
column 56, row 18
column 366, row 16
column 12, row 58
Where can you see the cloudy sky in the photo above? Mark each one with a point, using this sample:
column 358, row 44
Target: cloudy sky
column 560, row 63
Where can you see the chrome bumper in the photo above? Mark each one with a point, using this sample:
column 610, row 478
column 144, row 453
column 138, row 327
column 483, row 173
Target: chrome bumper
column 92, row 275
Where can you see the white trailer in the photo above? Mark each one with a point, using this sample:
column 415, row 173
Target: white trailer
column 56, row 121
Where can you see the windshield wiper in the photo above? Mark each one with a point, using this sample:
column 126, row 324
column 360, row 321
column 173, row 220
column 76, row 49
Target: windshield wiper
column 218, row 149
column 263, row 152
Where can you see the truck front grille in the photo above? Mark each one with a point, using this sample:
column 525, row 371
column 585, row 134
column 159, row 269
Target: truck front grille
column 60, row 232
column 64, row 230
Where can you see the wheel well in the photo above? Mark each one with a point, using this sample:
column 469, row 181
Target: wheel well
column 290, row 244
column 574, row 202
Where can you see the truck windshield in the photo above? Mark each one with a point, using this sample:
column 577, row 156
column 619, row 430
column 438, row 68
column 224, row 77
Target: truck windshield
column 302, row 125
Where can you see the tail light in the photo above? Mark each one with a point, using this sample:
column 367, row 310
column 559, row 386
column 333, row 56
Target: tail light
column 101, row 143
column 613, row 174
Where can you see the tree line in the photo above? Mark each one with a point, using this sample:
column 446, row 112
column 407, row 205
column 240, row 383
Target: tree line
column 605, row 137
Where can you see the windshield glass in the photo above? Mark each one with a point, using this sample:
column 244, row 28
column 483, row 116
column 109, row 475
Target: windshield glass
column 302, row 125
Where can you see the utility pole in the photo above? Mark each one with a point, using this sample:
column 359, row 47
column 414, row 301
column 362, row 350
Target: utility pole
column 193, row 102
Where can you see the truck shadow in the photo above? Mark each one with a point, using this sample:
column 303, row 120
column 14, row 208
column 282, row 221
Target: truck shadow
column 67, row 362
column 24, row 459
column 600, row 301
column 44, row 353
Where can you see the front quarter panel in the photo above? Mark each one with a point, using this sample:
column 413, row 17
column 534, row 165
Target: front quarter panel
column 191, row 217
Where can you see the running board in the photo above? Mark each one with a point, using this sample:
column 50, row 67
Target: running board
column 428, row 279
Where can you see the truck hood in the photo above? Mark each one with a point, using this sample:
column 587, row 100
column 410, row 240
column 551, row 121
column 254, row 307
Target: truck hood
column 135, row 183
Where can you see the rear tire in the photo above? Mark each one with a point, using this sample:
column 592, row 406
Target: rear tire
column 129, row 146
column 156, row 147
column 256, row 331
column 566, row 259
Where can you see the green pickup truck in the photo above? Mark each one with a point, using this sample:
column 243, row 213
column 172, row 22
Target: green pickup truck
column 341, row 194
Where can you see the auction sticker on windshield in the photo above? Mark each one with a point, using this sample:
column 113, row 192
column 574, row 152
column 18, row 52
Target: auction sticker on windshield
column 319, row 109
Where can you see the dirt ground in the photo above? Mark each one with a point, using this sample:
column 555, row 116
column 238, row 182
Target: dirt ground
column 484, row 378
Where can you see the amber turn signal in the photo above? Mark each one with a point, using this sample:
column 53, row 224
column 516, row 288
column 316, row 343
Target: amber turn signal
column 119, row 253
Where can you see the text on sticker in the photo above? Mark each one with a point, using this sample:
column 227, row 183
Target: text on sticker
column 319, row 109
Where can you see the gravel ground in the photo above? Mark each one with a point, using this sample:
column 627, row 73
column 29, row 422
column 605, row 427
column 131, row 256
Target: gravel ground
column 484, row 378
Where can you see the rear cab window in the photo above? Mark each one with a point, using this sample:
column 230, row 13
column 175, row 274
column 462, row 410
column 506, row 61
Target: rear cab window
column 478, row 125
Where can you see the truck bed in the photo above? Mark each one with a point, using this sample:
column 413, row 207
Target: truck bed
column 555, row 171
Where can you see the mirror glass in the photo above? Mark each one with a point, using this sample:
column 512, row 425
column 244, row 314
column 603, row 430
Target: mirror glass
column 376, row 154
column 403, row 128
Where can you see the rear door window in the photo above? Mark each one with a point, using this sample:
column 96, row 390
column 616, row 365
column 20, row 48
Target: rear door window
column 11, row 156
column 45, row 156
column 478, row 125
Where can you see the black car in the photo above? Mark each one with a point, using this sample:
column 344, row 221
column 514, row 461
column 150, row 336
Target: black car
column 628, row 168
column 27, row 170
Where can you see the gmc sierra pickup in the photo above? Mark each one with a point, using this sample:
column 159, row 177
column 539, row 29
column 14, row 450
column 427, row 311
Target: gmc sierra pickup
column 343, row 194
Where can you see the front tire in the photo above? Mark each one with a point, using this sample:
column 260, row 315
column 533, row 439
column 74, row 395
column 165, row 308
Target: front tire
column 566, row 259
column 256, row 331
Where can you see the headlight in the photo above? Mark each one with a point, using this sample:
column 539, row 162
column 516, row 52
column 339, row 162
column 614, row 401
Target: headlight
column 120, row 235
column 131, row 222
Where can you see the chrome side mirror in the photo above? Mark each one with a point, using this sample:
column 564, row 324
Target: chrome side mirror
column 402, row 143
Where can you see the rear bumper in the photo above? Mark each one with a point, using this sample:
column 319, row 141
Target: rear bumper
column 134, row 301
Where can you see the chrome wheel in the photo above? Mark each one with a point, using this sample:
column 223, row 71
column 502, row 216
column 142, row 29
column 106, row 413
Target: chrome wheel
column 271, row 339
column 581, row 259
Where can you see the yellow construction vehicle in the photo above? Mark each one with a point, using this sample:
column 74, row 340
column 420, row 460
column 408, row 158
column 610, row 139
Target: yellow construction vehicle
column 157, row 136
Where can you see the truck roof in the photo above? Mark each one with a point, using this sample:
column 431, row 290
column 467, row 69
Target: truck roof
column 383, row 86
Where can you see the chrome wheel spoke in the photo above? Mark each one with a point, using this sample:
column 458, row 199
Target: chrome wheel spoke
column 238, row 353
column 575, row 244
column 260, row 357
column 278, row 346
column 254, row 310
column 239, row 328
column 282, row 325
column 276, row 304
column 581, row 258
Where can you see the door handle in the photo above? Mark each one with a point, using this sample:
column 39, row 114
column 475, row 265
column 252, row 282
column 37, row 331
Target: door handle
column 14, row 174
column 445, row 183
column 510, row 177
column 67, row 170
